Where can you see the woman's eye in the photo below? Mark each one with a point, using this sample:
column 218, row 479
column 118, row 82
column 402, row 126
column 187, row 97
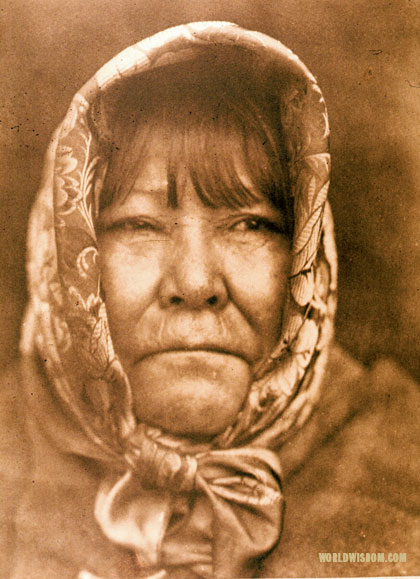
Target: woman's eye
column 135, row 225
column 131, row 227
column 257, row 224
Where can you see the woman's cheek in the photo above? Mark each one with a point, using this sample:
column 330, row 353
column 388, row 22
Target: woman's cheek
column 130, row 280
column 257, row 278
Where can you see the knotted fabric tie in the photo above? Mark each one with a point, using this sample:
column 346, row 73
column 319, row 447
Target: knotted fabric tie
column 215, row 513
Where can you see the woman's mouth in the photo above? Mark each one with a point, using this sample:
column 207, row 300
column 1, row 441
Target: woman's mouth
column 196, row 392
column 204, row 364
column 193, row 353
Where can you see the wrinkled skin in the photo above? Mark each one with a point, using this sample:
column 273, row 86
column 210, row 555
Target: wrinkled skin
column 194, row 297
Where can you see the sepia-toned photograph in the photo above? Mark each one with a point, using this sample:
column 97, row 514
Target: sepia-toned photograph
column 209, row 289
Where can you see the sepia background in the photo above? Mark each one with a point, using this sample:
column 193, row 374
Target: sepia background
column 365, row 56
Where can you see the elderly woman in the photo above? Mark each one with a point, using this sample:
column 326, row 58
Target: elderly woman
column 182, row 277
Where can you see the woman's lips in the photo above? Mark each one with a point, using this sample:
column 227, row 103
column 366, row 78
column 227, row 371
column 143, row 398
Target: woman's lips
column 195, row 352
column 200, row 360
column 226, row 333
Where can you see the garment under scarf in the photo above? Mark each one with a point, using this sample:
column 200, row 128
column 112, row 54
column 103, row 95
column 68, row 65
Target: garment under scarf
column 226, row 494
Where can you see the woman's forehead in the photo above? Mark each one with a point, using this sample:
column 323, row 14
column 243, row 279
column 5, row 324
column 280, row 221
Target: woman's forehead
column 166, row 158
column 164, row 168
column 164, row 183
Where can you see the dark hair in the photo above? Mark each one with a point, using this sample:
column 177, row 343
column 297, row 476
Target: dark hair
column 203, row 108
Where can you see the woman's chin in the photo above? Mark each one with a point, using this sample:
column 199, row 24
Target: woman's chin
column 197, row 393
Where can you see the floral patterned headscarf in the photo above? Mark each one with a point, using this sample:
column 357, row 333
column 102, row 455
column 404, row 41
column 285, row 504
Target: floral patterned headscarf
column 233, row 514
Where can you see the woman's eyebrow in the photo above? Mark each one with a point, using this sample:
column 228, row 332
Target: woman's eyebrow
column 159, row 188
column 157, row 192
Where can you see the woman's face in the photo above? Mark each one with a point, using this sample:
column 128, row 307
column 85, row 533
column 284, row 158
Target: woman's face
column 194, row 297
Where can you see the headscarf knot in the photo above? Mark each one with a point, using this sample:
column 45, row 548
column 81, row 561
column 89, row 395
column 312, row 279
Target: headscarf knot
column 158, row 466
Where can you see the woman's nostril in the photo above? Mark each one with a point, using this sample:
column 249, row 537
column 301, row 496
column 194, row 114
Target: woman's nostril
column 175, row 300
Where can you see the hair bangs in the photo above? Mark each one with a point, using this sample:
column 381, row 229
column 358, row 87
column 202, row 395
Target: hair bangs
column 215, row 154
column 124, row 153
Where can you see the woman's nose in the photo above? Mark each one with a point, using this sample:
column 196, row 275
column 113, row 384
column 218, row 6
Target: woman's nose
column 193, row 277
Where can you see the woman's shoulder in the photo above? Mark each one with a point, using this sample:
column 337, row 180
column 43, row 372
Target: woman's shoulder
column 357, row 491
